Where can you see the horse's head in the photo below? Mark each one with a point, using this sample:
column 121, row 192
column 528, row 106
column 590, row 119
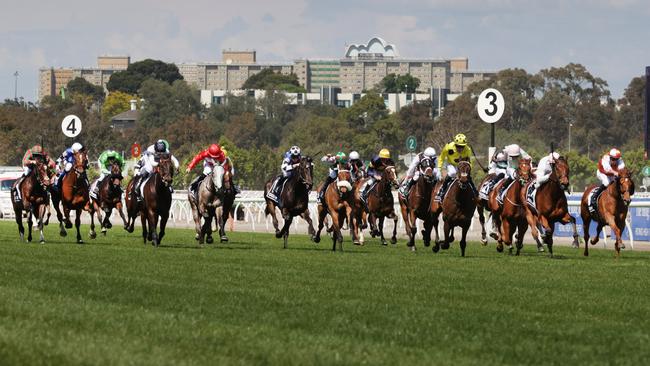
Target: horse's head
column 464, row 171
column 41, row 172
column 116, row 174
column 344, row 178
column 80, row 161
column 561, row 170
column 625, row 185
column 218, row 173
column 391, row 176
column 305, row 170
column 426, row 169
column 524, row 169
column 166, row 169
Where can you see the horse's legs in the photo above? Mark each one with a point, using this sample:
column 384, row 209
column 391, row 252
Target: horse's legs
column 522, row 226
column 285, row 229
column 66, row 219
column 18, row 213
column 393, row 238
column 381, row 230
column 599, row 230
column 310, row 224
column 270, row 210
column 30, row 224
column 143, row 221
column 92, row 233
column 153, row 227
column 481, row 219
column 163, row 223
column 534, row 231
column 321, row 218
column 41, row 216
column 118, row 207
column 436, row 221
column 426, row 233
column 463, row 238
column 506, row 237
column 77, row 224
column 409, row 216
column 586, row 222
column 336, row 228
column 447, row 229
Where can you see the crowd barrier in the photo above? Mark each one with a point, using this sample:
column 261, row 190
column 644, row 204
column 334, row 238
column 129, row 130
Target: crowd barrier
column 249, row 213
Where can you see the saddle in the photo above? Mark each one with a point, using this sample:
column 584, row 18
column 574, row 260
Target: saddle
column 531, row 192
column 276, row 190
column 592, row 200
column 503, row 191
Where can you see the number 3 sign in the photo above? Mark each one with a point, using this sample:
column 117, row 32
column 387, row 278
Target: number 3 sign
column 490, row 105
column 71, row 126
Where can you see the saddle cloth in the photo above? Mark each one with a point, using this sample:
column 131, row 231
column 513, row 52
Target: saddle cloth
column 276, row 190
column 531, row 192
column 503, row 193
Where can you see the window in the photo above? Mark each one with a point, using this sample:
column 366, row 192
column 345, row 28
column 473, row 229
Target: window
column 216, row 100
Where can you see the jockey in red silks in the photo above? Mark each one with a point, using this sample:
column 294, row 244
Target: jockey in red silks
column 608, row 168
column 211, row 157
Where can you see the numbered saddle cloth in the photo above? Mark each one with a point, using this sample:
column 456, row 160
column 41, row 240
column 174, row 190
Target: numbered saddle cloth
column 530, row 197
column 485, row 189
column 93, row 186
column 277, row 187
column 592, row 199
column 503, row 191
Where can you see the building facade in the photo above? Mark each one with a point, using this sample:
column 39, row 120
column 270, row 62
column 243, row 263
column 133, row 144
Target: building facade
column 52, row 80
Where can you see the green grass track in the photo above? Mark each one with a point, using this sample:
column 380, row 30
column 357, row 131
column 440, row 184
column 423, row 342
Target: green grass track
column 114, row 300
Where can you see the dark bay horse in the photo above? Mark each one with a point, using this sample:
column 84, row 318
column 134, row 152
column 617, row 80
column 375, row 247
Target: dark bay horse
column 381, row 204
column 133, row 207
column 416, row 205
column 215, row 190
column 551, row 205
column 294, row 199
column 74, row 195
column 157, row 200
column 109, row 198
column 612, row 209
column 35, row 199
column 513, row 212
column 337, row 202
column 457, row 208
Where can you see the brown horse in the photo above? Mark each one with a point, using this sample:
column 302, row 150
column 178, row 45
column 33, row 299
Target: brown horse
column 74, row 195
column 416, row 205
column 512, row 211
column 380, row 204
column 133, row 206
column 215, row 190
column 35, row 199
column 457, row 208
column 157, row 200
column 612, row 209
column 109, row 198
column 294, row 199
column 337, row 201
column 551, row 205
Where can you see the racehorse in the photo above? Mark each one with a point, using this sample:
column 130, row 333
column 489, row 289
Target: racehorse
column 74, row 196
column 157, row 200
column 35, row 199
column 380, row 204
column 493, row 207
column 133, row 206
column 612, row 209
column 550, row 205
column 512, row 211
column 109, row 198
column 416, row 205
column 457, row 208
column 337, row 201
column 215, row 190
column 294, row 199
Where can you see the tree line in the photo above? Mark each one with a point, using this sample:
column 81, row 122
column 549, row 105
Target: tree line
column 539, row 110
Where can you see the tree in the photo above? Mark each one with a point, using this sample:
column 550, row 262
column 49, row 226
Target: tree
column 131, row 79
column 81, row 86
column 166, row 103
column 629, row 120
column 269, row 79
column 575, row 81
column 116, row 103
column 367, row 110
column 393, row 83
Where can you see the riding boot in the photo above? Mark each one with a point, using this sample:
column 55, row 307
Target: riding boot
column 194, row 186
column 96, row 188
column 321, row 193
column 443, row 189
column 138, row 194
column 405, row 188
column 594, row 198
column 17, row 197
column 365, row 192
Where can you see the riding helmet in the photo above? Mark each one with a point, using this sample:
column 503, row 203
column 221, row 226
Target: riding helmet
column 294, row 151
column 615, row 153
column 460, row 140
column 354, row 155
column 430, row 152
column 384, row 154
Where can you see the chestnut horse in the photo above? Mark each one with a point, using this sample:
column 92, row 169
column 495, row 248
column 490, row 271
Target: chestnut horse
column 381, row 204
column 416, row 205
column 457, row 208
column 74, row 195
column 109, row 198
column 551, row 205
column 512, row 212
column 35, row 199
column 337, row 201
column 215, row 190
column 612, row 209
column 294, row 198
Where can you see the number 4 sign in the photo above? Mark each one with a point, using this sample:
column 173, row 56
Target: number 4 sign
column 71, row 126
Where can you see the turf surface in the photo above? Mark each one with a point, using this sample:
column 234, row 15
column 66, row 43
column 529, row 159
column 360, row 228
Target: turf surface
column 116, row 301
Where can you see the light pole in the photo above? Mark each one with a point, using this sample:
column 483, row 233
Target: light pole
column 570, row 125
column 16, row 86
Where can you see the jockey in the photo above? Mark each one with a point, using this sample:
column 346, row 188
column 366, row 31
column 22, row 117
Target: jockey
column 499, row 167
column 211, row 156
column 545, row 169
column 608, row 168
column 357, row 168
column 106, row 160
column 377, row 166
column 334, row 162
column 289, row 163
column 453, row 153
column 413, row 173
column 144, row 168
column 29, row 159
column 66, row 160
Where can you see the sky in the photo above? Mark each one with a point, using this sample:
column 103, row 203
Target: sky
column 610, row 37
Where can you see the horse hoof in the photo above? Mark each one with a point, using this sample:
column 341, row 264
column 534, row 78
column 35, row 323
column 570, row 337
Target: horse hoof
column 80, row 241
column 426, row 244
column 93, row 235
column 484, row 242
column 444, row 246
column 413, row 249
column 500, row 248
column 63, row 233
column 622, row 246
column 278, row 235
column 42, row 242
column 384, row 242
column 540, row 249
column 436, row 248
column 209, row 240
column 494, row 236
column 223, row 239
column 68, row 225
column 356, row 242
column 316, row 239
column 393, row 240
